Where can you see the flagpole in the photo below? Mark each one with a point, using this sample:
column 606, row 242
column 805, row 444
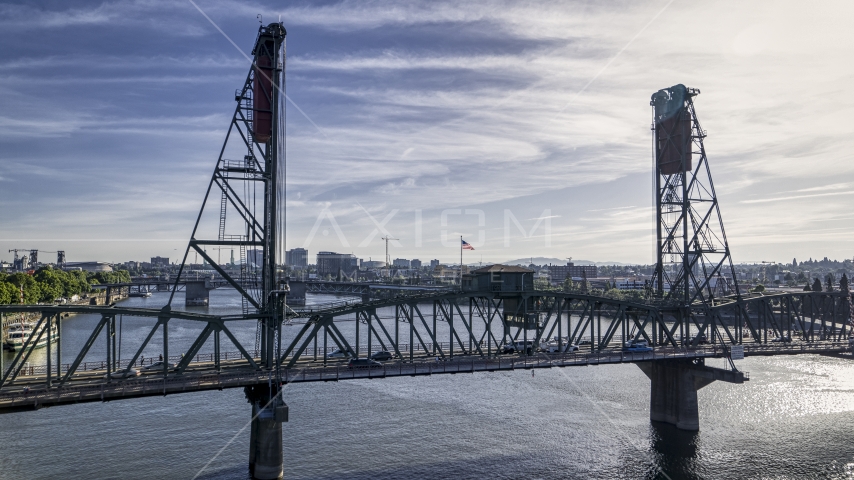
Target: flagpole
column 461, row 261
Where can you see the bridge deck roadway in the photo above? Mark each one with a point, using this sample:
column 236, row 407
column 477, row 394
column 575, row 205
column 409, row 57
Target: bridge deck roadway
column 30, row 392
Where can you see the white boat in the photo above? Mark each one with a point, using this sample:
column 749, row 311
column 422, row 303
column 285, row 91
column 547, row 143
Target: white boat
column 17, row 334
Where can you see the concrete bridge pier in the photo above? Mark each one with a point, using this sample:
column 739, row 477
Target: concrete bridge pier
column 674, row 385
column 266, row 457
column 197, row 293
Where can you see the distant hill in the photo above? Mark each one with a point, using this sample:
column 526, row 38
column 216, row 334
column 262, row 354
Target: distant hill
column 559, row 261
column 548, row 260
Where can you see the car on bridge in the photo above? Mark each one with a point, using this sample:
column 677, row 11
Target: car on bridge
column 158, row 366
column 637, row 346
column 361, row 363
column 556, row 346
column 382, row 356
column 131, row 372
column 337, row 353
column 519, row 347
column 782, row 339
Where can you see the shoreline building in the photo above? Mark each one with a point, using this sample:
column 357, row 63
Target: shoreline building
column 401, row 263
column 373, row 264
column 160, row 261
column 338, row 265
column 297, row 257
column 559, row 273
column 90, row 266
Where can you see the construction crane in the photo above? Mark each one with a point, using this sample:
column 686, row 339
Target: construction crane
column 16, row 250
column 387, row 258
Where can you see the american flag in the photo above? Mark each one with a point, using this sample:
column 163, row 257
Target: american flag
column 466, row 245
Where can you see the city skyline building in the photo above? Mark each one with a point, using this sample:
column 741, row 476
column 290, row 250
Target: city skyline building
column 559, row 273
column 336, row 264
column 297, row 257
column 160, row 261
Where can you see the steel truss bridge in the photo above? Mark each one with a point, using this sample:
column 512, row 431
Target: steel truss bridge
column 426, row 334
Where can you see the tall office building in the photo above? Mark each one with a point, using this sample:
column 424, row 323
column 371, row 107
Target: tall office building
column 336, row 264
column 559, row 273
column 297, row 257
column 159, row 261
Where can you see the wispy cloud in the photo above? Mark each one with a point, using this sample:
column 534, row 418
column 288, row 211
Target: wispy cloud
column 393, row 60
column 797, row 197
column 150, row 14
column 834, row 186
column 431, row 106
column 123, row 64
column 612, row 208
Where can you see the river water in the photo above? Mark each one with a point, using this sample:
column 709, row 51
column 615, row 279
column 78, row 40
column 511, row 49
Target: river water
column 793, row 419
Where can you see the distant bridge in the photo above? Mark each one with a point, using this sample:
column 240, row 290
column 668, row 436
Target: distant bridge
column 371, row 290
column 365, row 290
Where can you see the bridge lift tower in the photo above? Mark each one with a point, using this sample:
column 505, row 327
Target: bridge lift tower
column 692, row 250
column 692, row 255
column 247, row 189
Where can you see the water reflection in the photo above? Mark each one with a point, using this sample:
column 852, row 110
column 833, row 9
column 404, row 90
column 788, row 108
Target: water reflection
column 675, row 451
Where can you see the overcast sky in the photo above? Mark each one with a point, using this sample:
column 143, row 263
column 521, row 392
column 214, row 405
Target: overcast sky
column 496, row 116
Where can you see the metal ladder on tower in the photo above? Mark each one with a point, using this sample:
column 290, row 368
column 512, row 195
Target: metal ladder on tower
column 222, row 209
column 243, row 265
column 244, row 270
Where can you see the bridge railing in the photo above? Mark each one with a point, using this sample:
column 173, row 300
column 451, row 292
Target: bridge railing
column 120, row 365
